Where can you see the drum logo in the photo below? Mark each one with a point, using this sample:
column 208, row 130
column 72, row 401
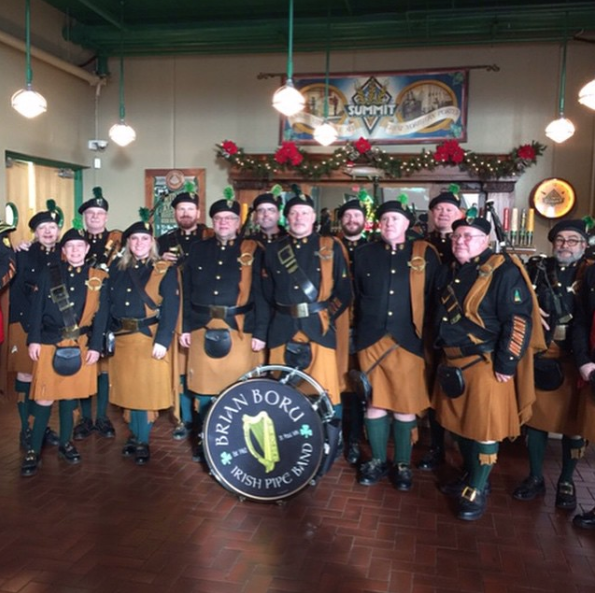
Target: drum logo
column 263, row 439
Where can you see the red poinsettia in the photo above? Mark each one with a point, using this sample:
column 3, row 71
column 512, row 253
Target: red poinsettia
column 526, row 152
column 449, row 151
column 362, row 146
column 289, row 154
column 229, row 147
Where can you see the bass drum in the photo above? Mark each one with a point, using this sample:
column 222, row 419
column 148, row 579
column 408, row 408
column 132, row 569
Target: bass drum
column 263, row 439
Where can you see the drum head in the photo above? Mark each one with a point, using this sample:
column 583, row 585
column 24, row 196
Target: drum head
column 263, row 439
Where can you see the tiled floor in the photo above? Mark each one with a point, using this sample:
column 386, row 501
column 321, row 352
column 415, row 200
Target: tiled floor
column 110, row 526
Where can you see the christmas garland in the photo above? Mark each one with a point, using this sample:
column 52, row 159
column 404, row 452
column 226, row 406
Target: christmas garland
column 289, row 157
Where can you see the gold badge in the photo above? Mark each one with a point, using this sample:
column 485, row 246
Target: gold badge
column 417, row 263
column 6, row 241
column 246, row 259
column 161, row 266
column 94, row 283
column 325, row 253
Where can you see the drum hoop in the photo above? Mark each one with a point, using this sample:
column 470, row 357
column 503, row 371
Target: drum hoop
column 214, row 470
column 322, row 404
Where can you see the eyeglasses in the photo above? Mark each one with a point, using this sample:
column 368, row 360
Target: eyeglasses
column 572, row 242
column 225, row 218
column 465, row 236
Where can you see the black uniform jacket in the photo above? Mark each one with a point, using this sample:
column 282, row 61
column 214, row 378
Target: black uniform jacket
column 212, row 275
column 443, row 246
column 383, row 301
column 7, row 261
column 265, row 239
column 47, row 322
column 30, row 265
column 282, row 287
column 505, row 311
column 350, row 247
column 181, row 242
column 103, row 248
column 583, row 342
column 556, row 286
column 126, row 301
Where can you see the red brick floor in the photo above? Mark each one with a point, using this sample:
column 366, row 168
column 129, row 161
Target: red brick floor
column 110, row 526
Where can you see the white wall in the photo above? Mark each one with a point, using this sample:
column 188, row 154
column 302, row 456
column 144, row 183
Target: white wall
column 181, row 107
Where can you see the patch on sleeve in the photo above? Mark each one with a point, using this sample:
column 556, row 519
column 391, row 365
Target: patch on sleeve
column 517, row 296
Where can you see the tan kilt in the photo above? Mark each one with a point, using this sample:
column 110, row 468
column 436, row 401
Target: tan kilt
column 558, row 410
column 399, row 381
column 137, row 380
column 210, row 376
column 48, row 385
column 487, row 410
column 322, row 369
column 18, row 352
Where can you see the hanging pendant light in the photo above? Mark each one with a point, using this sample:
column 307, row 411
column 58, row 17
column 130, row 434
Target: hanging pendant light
column 287, row 99
column 562, row 128
column 121, row 133
column 325, row 134
column 586, row 95
column 26, row 101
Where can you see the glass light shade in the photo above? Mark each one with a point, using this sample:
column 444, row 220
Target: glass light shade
column 29, row 103
column 122, row 134
column 586, row 95
column 325, row 134
column 560, row 130
column 288, row 100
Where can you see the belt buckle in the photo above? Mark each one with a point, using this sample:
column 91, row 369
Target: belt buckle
column 129, row 325
column 560, row 332
column 217, row 311
column 300, row 310
column 71, row 332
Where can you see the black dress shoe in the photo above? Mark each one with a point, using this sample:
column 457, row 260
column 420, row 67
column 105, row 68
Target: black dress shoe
column 181, row 431
column 50, row 437
column 130, row 447
column 529, row 488
column 105, row 428
column 83, row 429
column 25, row 439
column 455, row 487
column 372, row 472
column 566, row 496
column 142, row 454
column 30, row 464
column 402, row 478
column 586, row 520
column 431, row 460
column 352, row 454
column 69, row 453
column 472, row 504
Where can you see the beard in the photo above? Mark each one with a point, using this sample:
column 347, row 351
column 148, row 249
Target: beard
column 353, row 230
column 187, row 223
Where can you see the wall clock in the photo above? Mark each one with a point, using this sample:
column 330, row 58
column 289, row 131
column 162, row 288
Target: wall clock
column 553, row 197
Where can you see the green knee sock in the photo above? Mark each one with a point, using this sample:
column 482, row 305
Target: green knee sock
column 102, row 395
column 133, row 425
column 536, row 443
column 484, row 460
column 378, row 430
column 24, row 406
column 572, row 451
column 186, row 401
column 87, row 408
column 66, row 409
column 338, row 409
column 204, row 403
column 436, row 431
column 144, row 426
column 402, row 435
column 42, row 417
column 466, row 448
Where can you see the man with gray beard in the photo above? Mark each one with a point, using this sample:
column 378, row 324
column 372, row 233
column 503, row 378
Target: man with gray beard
column 556, row 280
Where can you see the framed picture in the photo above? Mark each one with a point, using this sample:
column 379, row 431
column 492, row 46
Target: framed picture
column 411, row 107
column 163, row 185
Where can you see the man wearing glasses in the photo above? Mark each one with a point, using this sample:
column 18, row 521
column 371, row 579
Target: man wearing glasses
column 225, row 317
column 484, row 330
column 556, row 280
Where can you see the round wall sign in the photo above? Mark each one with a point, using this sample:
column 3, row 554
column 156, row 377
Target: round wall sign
column 553, row 197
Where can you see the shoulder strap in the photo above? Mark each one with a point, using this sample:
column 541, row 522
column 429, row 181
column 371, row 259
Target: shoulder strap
column 60, row 297
column 287, row 259
column 140, row 289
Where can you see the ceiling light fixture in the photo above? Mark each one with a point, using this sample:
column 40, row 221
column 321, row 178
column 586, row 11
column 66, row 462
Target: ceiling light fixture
column 586, row 95
column 121, row 133
column 287, row 99
column 26, row 101
column 325, row 134
column 562, row 128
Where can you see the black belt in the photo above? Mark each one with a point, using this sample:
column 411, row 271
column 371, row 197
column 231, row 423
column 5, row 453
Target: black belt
column 453, row 352
column 132, row 324
column 300, row 310
column 221, row 311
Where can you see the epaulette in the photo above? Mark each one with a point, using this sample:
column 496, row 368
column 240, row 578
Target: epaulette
column 162, row 266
